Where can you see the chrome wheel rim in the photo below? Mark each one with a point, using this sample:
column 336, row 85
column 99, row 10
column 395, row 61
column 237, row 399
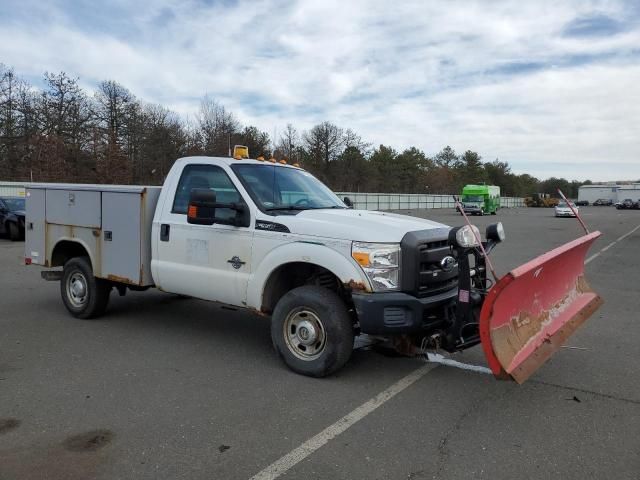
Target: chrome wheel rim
column 304, row 334
column 77, row 291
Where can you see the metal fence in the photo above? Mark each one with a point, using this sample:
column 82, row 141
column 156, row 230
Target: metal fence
column 407, row 201
column 361, row 201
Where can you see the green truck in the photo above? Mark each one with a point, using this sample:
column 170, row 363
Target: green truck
column 480, row 199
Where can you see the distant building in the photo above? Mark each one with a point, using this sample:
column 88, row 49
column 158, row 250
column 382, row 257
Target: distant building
column 629, row 191
column 609, row 191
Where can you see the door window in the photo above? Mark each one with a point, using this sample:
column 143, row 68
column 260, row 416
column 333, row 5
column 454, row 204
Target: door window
column 209, row 177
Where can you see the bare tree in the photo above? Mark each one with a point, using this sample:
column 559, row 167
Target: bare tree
column 215, row 127
column 324, row 143
column 10, row 135
column 288, row 146
column 112, row 108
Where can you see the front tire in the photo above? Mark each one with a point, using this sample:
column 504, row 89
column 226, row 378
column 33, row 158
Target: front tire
column 312, row 331
column 84, row 295
column 14, row 232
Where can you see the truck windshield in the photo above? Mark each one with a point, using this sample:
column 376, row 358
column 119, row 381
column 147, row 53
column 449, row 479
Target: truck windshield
column 276, row 188
column 473, row 198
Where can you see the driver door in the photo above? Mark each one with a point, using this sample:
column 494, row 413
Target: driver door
column 212, row 262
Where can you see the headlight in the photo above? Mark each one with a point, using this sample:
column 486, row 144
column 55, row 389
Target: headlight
column 465, row 236
column 380, row 262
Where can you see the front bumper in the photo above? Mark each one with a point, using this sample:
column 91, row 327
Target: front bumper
column 387, row 313
column 565, row 214
column 472, row 210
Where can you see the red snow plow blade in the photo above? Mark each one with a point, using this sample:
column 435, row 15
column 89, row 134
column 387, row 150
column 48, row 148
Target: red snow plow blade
column 530, row 312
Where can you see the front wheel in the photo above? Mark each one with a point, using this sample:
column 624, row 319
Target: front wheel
column 312, row 331
column 14, row 232
column 84, row 295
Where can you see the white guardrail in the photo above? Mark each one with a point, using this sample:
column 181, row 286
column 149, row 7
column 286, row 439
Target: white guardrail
column 408, row 201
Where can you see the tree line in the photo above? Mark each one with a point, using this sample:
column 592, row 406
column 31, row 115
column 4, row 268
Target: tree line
column 61, row 133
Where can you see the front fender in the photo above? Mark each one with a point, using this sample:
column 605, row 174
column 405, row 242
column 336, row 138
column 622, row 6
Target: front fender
column 345, row 268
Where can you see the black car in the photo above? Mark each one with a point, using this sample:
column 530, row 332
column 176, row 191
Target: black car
column 12, row 217
column 582, row 203
column 626, row 204
column 603, row 202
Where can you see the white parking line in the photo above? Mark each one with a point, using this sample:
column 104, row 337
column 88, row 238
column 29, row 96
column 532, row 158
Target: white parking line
column 596, row 255
column 294, row 457
column 285, row 463
column 442, row 360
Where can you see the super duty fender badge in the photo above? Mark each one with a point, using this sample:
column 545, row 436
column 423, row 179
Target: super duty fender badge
column 236, row 262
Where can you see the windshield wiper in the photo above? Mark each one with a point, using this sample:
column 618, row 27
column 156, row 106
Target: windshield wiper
column 287, row 207
column 299, row 207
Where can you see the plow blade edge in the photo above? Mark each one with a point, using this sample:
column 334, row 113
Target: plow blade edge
column 530, row 312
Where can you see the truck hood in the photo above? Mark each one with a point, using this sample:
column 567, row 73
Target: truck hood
column 357, row 225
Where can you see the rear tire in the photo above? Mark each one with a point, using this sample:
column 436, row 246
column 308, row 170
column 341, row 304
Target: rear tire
column 84, row 295
column 312, row 331
column 14, row 232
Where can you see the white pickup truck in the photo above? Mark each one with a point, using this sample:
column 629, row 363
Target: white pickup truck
column 271, row 238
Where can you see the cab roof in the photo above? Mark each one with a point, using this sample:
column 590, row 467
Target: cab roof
column 231, row 161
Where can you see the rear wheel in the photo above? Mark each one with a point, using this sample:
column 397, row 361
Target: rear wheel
column 84, row 295
column 312, row 331
column 14, row 232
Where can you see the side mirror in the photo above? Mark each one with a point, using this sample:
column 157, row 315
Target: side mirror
column 202, row 207
column 347, row 201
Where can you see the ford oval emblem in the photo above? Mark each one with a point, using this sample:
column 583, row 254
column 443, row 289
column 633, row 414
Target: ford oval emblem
column 447, row 263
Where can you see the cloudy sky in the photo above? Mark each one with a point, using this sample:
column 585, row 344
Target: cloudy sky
column 551, row 87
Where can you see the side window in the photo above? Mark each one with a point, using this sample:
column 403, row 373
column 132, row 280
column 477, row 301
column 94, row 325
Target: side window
column 211, row 177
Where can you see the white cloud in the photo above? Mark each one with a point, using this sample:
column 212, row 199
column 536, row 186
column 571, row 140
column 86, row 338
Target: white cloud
column 475, row 75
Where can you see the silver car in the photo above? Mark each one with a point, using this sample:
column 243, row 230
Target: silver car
column 563, row 210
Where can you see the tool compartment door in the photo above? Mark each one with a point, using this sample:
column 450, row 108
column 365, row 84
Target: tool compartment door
column 77, row 208
column 34, row 242
column 121, row 237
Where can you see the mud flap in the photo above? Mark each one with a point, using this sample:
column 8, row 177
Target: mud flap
column 530, row 312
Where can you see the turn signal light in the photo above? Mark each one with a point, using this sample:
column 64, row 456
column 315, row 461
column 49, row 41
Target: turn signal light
column 361, row 258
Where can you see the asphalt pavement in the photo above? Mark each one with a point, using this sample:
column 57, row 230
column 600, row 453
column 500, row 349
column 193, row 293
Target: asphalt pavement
column 164, row 387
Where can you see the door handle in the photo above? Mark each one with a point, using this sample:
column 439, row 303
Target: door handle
column 165, row 228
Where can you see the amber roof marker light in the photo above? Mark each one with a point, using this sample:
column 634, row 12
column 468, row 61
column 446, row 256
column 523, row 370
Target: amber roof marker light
column 240, row 152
